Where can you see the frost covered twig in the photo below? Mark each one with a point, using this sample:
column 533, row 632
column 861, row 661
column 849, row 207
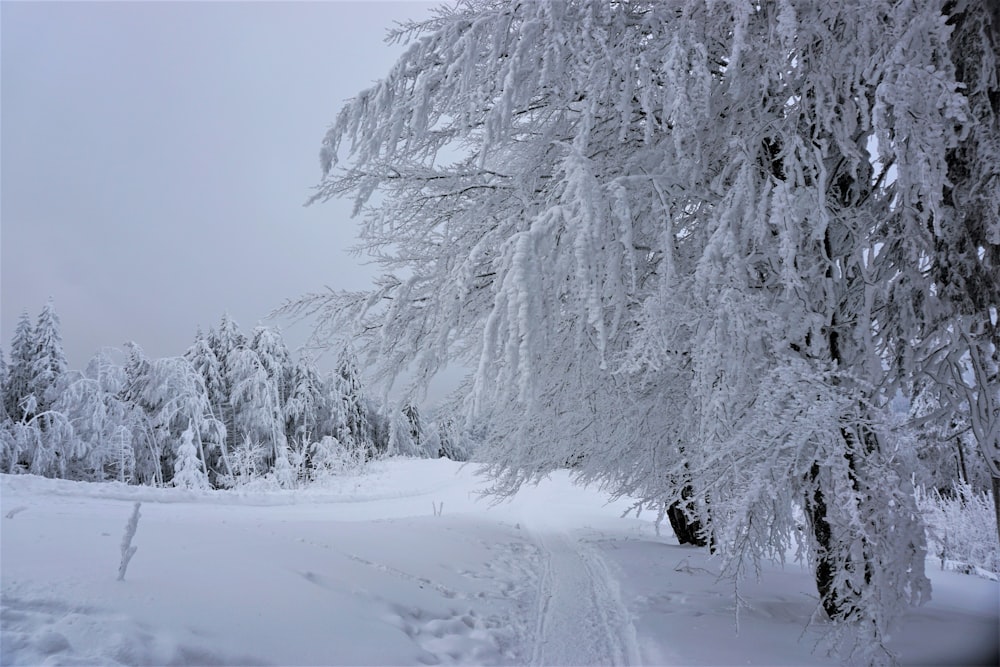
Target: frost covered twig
column 127, row 549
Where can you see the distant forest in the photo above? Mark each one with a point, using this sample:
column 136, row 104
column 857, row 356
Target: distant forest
column 234, row 409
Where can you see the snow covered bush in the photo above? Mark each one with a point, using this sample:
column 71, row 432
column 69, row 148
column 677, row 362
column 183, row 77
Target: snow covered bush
column 961, row 530
column 330, row 458
column 247, row 464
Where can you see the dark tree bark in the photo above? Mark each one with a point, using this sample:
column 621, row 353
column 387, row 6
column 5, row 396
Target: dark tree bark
column 687, row 529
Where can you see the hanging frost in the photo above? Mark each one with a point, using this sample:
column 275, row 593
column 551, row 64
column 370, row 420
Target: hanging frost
column 692, row 250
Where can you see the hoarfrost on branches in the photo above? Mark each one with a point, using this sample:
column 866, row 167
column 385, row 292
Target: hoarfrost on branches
column 693, row 250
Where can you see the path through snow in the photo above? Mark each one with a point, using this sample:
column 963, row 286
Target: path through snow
column 581, row 617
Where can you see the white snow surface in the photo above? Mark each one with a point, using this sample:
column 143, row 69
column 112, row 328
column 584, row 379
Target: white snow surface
column 364, row 571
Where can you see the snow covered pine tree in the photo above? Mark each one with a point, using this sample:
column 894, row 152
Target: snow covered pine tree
column 686, row 246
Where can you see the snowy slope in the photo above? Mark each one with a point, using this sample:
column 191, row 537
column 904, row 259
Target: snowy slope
column 365, row 571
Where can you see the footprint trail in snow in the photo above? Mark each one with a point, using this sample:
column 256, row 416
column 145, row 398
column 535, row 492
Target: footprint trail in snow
column 581, row 619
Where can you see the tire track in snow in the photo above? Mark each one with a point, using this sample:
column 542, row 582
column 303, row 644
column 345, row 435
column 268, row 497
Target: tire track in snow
column 581, row 619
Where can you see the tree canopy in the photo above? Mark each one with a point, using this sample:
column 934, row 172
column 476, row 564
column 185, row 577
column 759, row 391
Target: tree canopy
column 695, row 250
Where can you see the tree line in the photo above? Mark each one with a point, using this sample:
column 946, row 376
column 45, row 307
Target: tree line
column 233, row 408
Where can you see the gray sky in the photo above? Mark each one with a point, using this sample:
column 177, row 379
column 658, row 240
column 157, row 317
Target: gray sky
column 155, row 158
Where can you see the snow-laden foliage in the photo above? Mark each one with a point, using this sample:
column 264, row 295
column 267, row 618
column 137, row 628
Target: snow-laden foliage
column 203, row 360
column 960, row 527
column 304, row 407
column 106, row 428
column 18, row 376
column 692, row 251
column 37, row 364
column 189, row 471
column 257, row 416
column 353, row 420
column 330, row 457
column 48, row 362
column 454, row 441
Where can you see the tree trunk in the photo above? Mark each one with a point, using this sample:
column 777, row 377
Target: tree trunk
column 825, row 567
column 963, row 474
column 687, row 529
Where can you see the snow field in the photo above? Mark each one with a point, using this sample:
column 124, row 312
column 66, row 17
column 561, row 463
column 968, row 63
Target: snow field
column 363, row 572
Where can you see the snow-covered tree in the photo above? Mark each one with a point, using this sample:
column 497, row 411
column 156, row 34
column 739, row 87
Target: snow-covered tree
column 189, row 470
column 171, row 395
column 148, row 454
column 275, row 358
column 686, row 246
column 224, row 342
column 416, row 427
column 80, row 401
column 18, row 381
column 201, row 356
column 431, row 440
column 937, row 120
column 303, row 410
column 455, row 443
column 50, row 442
column 257, row 413
column 48, row 362
column 14, row 441
column 402, row 440
column 357, row 418
column 102, row 423
column 42, row 441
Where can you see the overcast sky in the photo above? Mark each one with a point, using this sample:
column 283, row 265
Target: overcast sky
column 156, row 156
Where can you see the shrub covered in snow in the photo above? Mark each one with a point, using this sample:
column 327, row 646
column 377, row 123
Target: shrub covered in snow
column 961, row 529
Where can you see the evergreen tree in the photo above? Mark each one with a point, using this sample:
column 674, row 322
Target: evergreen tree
column 276, row 360
column 48, row 361
column 358, row 427
column 169, row 396
column 455, row 443
column 277, row 363
column 332, row 411
column 43, row 441
column 303, row 411
column 189, row 472
column 134, row 393
column 416, row 427
column 224, row 342
column 18, row 382
column 256, row 410
column 201, row 356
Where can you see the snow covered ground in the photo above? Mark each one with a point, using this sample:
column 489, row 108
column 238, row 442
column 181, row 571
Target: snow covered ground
column 404, row 566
